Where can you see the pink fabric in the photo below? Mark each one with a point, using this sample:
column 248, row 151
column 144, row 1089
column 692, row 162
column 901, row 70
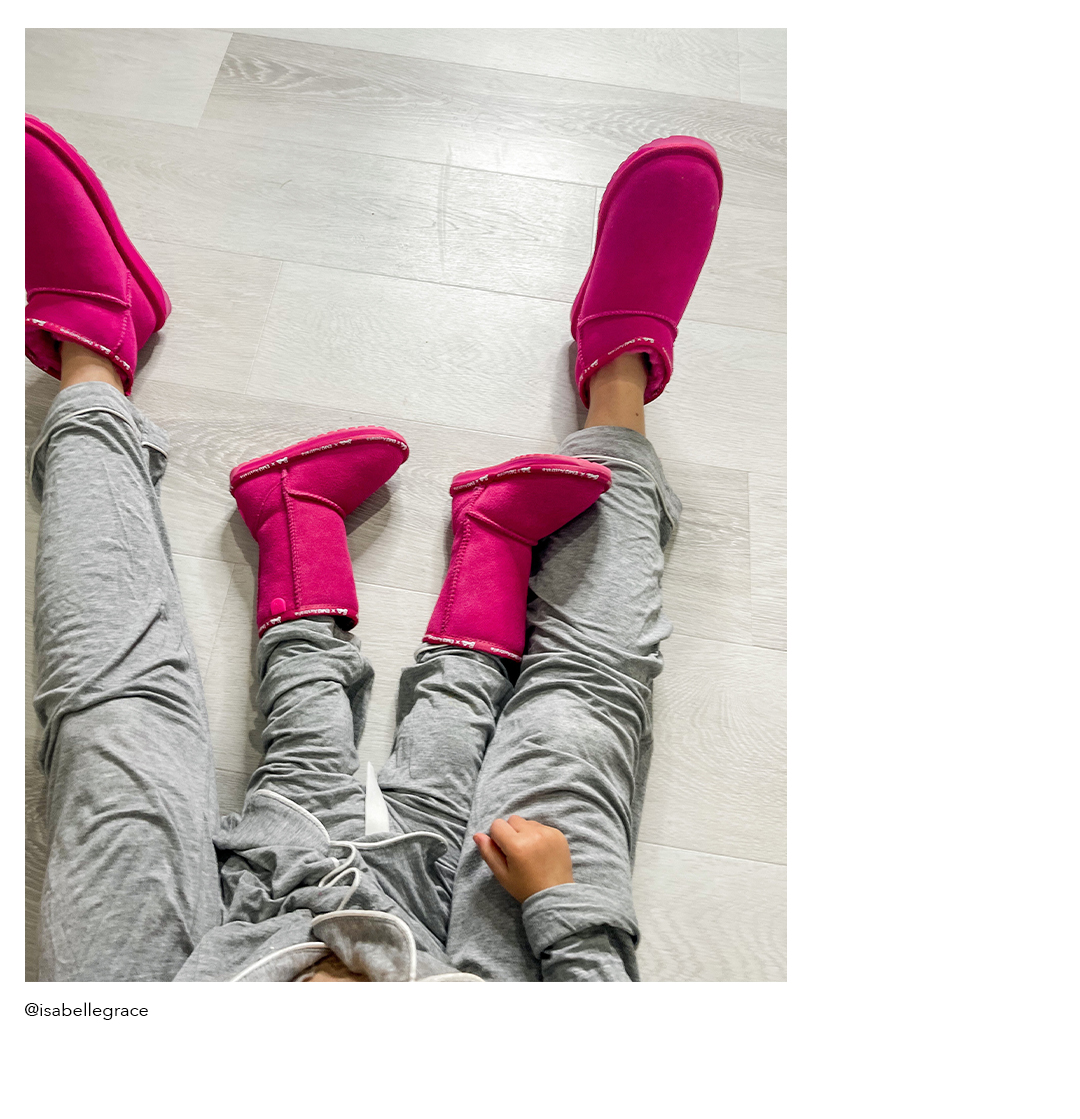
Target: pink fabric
column 84, row 279
column 497, row 516
column 653, row 233
column 295, row 502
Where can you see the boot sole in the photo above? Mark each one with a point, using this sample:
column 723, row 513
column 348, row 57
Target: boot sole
column 325, row 442
column 141, row 272
column 528, row 464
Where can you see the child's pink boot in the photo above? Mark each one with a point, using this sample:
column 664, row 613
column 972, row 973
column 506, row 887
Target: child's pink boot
column 295, row 503
column 85, row 282
column 653, row 233
column 498, row 515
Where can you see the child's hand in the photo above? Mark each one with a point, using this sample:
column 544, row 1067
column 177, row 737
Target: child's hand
column 525, row 856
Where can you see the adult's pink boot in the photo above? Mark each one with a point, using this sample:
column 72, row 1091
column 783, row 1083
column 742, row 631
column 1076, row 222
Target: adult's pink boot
column 295, row 502
column 653, row 233
column 85, row 281
column 497, row 516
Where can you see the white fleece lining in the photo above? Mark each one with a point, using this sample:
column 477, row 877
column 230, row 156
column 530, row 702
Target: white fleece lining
column 299, row 808
column 378, row 916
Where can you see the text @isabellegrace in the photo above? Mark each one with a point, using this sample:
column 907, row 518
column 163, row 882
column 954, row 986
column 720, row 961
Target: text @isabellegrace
column 84, row 1010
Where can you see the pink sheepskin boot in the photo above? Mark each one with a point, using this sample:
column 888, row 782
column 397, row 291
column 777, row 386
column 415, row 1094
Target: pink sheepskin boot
column 653, row 233
column 295, row 502
column 84, row 280
column 497, row 516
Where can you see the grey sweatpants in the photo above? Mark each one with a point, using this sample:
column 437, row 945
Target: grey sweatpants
column 132, row 879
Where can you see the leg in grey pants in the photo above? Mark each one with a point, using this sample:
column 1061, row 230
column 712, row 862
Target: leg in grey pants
column 131, row 882
column 572, row 745
column 314, row 689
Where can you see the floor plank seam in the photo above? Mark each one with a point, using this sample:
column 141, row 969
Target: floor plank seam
column 711, row 854
column 738, row 67
column 262, row 329
column 444, row 284
column 413, row 59
column 391, row 419
column 425, row 162
column 221, row 616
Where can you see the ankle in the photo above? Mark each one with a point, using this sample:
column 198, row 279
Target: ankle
column 617, row 393
column 79, row 365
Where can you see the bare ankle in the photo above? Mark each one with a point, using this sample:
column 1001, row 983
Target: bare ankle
column 617, row 393
column 78, row 365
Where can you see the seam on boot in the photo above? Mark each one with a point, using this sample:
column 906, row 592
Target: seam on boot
column 500, row 529
column 635, row 314
column 454, row 573
column 77, row 291
column 126, row 317
column 290, row 524
column 319, row 499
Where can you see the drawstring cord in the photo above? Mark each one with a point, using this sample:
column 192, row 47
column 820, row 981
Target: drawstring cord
column 342, row 868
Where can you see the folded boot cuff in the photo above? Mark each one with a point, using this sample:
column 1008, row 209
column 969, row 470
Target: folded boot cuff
column 572, row 908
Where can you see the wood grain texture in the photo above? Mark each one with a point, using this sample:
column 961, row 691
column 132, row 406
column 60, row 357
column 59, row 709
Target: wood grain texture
column 713, row 535
column 351, row 236
column 726, row 403
column 203, row 584
column 491, row 120
column 703, row 62
column 705, row 918
column 768, row 560
column 397, row 532
column 285, row 200
column 763, row 66
column 220, row 303
column 452, row 356
column 717, row 782
column 398, row 536
column 744, row 280
column 156, row 73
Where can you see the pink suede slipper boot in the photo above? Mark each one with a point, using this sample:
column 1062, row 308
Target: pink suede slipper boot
column 295, row 503
column 653, row 233
column 84, row 280
column 498, row 515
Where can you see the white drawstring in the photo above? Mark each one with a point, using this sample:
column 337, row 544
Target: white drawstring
column 340, row 869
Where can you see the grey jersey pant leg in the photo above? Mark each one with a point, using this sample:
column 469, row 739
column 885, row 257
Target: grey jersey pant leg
column 314, row 689
column 572, row 745
column 448, row 704
column 131, row 882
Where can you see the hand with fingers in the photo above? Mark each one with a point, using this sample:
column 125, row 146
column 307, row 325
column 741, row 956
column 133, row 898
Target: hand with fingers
column 525, row 856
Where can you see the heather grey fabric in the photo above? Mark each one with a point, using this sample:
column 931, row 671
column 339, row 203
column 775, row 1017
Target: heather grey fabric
column 301, row 846
column 145, row 882
column 131, row 884
column 573, row 741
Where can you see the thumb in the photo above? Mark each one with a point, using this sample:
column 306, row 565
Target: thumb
column 492, row 855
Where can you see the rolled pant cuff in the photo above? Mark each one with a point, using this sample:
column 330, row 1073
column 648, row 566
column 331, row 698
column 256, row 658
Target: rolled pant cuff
column 613, row 445
column 95, row 396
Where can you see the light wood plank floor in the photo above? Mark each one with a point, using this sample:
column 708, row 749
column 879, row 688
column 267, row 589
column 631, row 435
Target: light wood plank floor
column 389, row 226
